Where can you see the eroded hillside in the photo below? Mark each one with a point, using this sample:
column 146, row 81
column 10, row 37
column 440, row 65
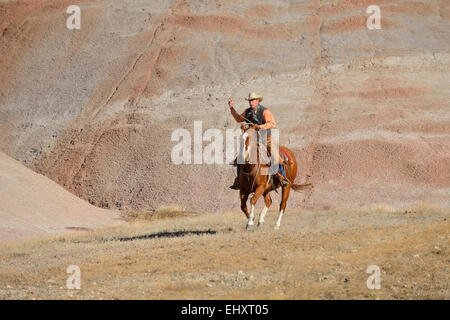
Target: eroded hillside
column 366, row 111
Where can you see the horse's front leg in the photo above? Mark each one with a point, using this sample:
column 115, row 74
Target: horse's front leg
column 244, row 198
column 258, row 192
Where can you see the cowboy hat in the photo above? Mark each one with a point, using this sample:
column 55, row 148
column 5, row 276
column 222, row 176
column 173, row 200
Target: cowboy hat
column 252, row 96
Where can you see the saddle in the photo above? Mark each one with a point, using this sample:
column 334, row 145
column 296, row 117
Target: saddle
column 284, row 157
column 271, row 181
column 286, row 160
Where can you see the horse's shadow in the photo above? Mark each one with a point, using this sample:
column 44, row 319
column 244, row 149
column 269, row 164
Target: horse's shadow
column 167, row 234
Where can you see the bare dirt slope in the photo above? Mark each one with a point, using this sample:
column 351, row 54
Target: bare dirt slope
column 315, row 255
column 32, row 205
column 366, row 112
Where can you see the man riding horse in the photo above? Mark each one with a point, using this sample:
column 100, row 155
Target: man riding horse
column 263, row 120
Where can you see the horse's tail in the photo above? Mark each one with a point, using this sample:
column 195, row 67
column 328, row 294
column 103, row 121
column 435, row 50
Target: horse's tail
column 299, row 187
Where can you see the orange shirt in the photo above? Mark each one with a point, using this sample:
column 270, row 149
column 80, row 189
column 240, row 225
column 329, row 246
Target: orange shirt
column 267, row 118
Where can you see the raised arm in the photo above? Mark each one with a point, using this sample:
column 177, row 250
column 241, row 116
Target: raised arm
column 238, row 117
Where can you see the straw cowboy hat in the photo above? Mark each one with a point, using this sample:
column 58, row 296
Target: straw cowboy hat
column 252, row 96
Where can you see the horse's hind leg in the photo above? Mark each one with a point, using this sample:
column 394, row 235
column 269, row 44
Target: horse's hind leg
column 284, row 198
column 268, row 202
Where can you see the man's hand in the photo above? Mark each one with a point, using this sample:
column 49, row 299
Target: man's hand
column 255, row 127
column 230, row 102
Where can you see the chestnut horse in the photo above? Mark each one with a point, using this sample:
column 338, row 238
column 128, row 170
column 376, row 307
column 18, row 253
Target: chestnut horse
column 251, row 179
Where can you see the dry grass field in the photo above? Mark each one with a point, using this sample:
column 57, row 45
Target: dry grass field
column 170, row 255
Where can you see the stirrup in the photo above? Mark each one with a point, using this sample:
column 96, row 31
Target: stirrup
column 283, row 180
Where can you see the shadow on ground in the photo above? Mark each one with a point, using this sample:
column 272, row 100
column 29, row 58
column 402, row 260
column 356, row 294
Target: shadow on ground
column 166, row 234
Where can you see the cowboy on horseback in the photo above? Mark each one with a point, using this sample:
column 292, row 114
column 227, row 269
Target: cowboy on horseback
column 263, row 121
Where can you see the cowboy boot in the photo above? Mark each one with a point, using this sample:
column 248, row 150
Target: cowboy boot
column 283, row 180
column 235, row 185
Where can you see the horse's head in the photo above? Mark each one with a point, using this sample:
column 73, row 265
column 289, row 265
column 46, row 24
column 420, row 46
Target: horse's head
column 248, row 126
column 248, row 142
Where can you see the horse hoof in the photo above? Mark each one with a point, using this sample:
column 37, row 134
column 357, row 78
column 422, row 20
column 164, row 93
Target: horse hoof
column 250, row 227
column 260, row 224
column 276, row 227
